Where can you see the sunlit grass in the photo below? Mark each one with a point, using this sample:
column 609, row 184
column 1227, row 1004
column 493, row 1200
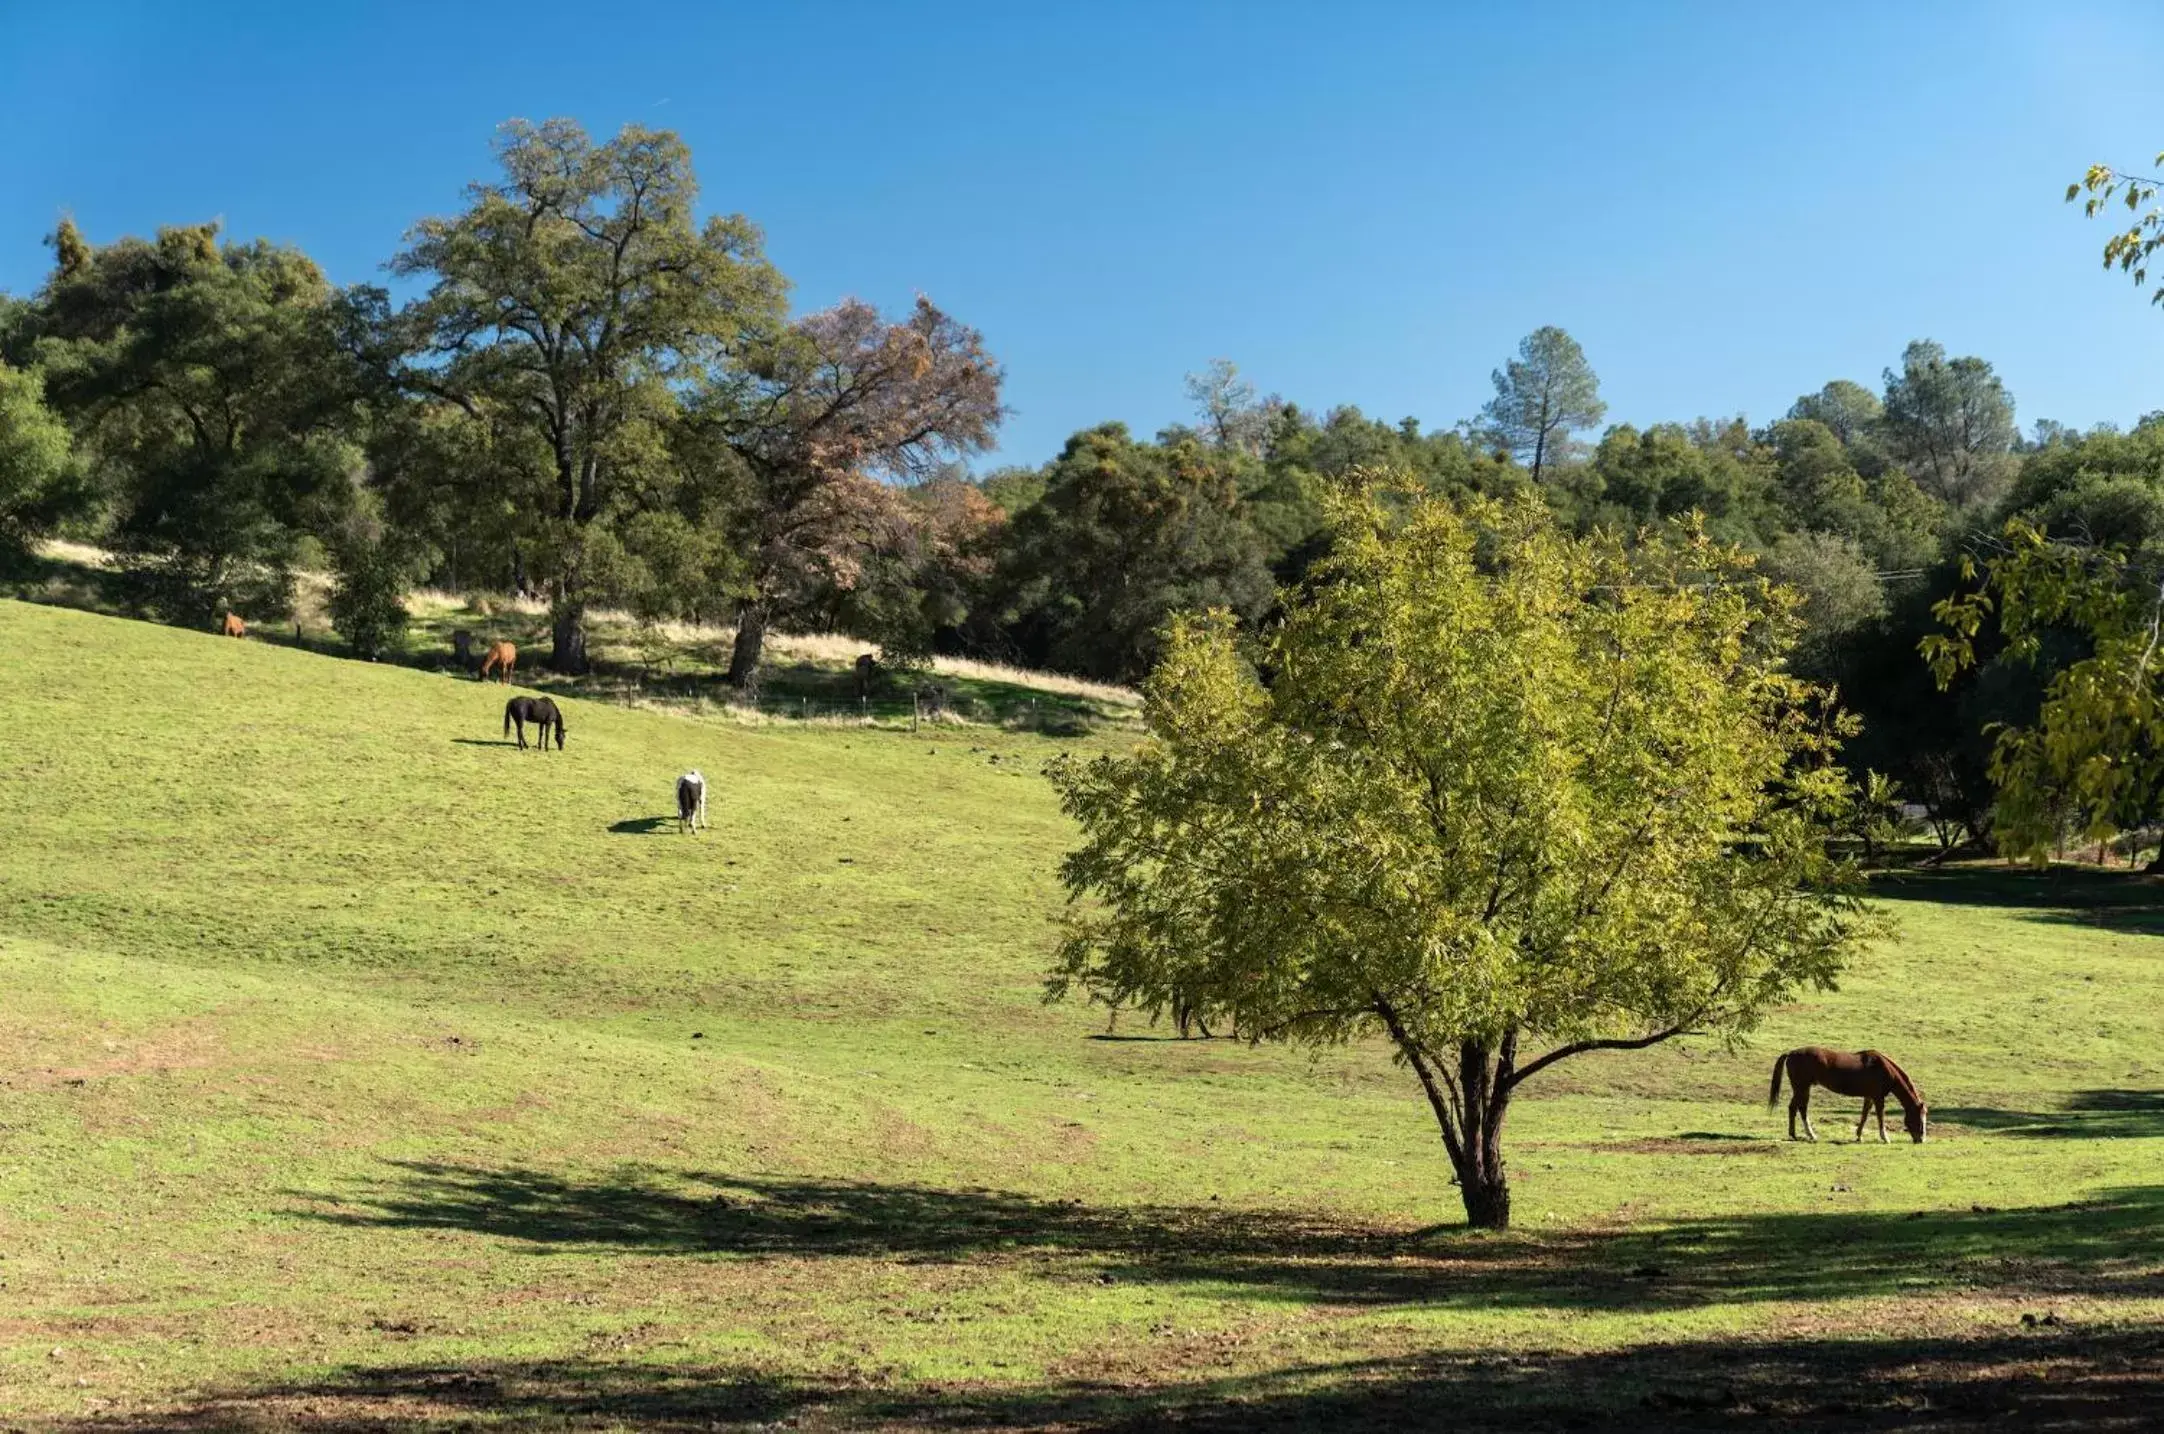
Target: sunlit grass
column 354, row 1066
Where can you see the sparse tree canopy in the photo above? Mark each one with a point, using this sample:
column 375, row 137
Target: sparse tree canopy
column 1542, row 396
column 822, row 412
column 1500, row 794
column 1225, row 403
column 2130, row 250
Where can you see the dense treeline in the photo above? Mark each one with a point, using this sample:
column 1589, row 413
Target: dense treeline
column 598, row 396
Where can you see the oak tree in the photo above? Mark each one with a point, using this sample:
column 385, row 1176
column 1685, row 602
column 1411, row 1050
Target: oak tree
column 211, row 402
column 570, row 304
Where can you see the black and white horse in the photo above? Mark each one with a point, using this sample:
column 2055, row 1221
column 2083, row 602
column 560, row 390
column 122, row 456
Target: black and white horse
column 690, row 802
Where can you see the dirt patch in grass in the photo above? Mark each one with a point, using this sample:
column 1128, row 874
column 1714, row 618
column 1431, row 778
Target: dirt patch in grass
column 1698, row 1144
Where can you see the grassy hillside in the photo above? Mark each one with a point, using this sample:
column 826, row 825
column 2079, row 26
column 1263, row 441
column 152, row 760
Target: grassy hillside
column 360, row 1071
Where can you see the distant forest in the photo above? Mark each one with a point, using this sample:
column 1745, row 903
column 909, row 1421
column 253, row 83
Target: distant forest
column 600, row 398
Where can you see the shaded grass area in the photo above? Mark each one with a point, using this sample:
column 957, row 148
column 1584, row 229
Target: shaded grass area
column 2086, row 1115
column 2062, row 894
column 358, row 1072
column 2104, row 1246
column 2047, row 1379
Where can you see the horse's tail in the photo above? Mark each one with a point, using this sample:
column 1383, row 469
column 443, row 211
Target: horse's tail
column 1773, row 1092
column 506, row 719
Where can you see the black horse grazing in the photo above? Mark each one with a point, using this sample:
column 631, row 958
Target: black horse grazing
column 539, row 711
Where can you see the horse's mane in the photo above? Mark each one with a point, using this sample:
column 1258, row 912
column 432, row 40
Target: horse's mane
column 1907, row 1087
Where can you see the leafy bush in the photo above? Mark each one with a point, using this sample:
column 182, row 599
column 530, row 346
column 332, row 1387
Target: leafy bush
column 369, row 575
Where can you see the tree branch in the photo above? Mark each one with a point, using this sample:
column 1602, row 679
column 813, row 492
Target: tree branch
column 1437, row 1100
column 1577, row 1048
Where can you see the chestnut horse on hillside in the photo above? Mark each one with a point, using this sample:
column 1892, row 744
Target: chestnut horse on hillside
column 1869, row 1074
column 501, row 658
column 234, row 627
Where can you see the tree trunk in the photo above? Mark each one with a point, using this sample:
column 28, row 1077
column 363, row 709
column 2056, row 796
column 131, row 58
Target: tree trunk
column 1469, row 1110
column 1487, row 1198
column 750, row 641
column 1484, row 1073
column 569, row 635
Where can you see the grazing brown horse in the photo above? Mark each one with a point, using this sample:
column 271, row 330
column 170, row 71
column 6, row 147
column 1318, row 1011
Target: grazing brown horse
column 539, row 711
column 501, row 657
column 1863, row 1073
column 234, row 627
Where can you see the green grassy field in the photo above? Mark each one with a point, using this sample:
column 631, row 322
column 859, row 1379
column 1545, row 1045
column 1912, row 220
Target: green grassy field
column 358, row 1071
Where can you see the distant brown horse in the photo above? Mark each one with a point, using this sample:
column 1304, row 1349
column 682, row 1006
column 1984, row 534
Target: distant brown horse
column 1861, row 1073
column 234, row 627
column 501, row 658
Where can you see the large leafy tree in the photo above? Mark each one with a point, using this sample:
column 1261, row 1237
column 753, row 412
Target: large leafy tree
column 1671, row 469
column 1820, row 488
column 2075, row 590
column 1501, row 795
column 1125, row 535
column 1851, row 413
column 1542, row 396
column 1950, row 423
column 2087, row 619
column 919, row 590
column 817, row 416
column 569, row 305
column 208, row 387
column 38, row 473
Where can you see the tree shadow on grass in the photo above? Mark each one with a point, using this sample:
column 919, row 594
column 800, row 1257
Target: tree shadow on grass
column 2087, row 1115
column 2051, row 1378
column 2104, row 1246
column 2080, row 896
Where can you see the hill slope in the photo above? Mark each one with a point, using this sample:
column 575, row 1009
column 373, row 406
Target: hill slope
column 357, row 1070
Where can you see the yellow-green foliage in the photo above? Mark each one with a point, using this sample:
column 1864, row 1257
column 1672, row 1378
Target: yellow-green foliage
column 1502, row 785
column 2093, row 758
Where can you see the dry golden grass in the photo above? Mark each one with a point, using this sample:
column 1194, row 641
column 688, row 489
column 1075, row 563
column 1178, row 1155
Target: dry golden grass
column 827, row 649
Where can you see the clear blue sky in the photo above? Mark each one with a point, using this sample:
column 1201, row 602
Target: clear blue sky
column 1726, row 204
